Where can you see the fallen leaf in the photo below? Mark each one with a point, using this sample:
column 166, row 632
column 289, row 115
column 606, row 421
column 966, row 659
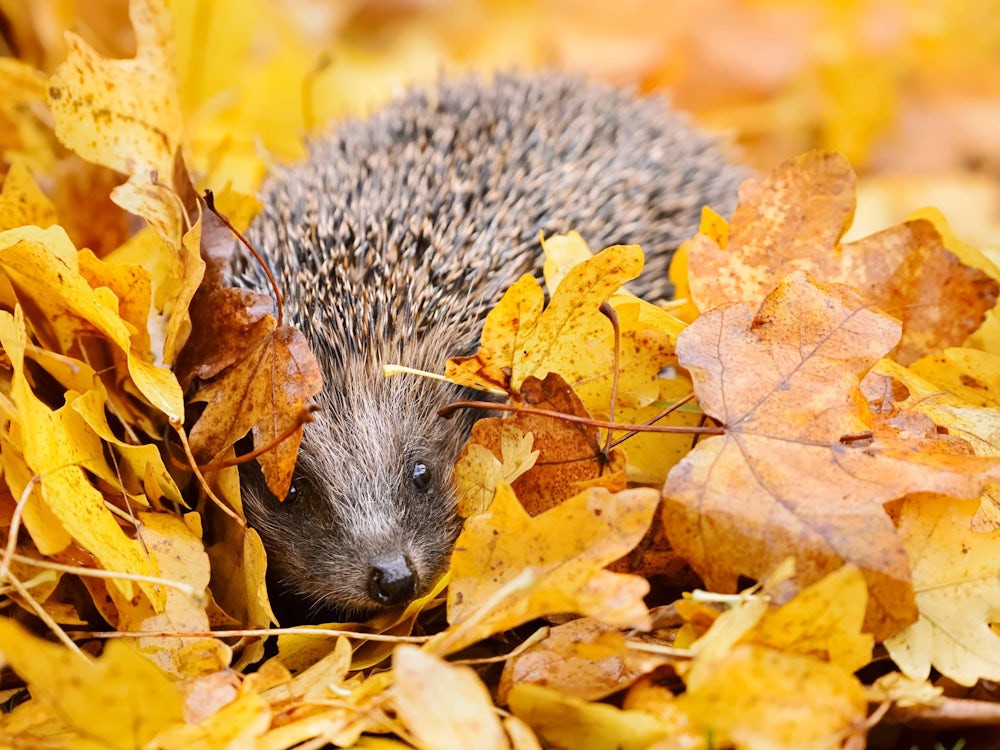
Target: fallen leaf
column 823, row 620
column 569, row 723
column 583, row 658
column 955, row 580
column 134, row 699
column 570, row 335
column 237, row 723
column 23, row 202
column 795, row 219
column 125, row 114
column 755, row 696
column 444, row 707
column 57, row 446
column 508, row 568
column 789, row 478
column 569, row 457
column 497, row 451
column 256, row 376
column 42, row 266
column 931, row 386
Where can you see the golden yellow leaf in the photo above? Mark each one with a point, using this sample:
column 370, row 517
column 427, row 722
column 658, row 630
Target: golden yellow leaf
column 139, row 462
column 57, row 446
column 561, row 339
column 823, row 620
column 562, row 253
column 571, row 336
column 41, row 522
column 124, row 114
column 509, row 568
column 23, row 202
column 758, row 697
column 478, row 470
column 651, row 455
column 236, row 724
column 180, row 556
column 444, row 707
column 956, row 584
column 506, row 329
column 567, row 723
column 121, row 699
column 65, row 307
column 970, row 374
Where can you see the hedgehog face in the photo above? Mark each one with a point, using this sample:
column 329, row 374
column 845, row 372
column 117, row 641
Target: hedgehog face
column 370, row 521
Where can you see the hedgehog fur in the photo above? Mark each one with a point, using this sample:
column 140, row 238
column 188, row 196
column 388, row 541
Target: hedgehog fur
column 391, row 242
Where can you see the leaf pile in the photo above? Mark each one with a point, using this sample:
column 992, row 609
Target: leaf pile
column 829, row 442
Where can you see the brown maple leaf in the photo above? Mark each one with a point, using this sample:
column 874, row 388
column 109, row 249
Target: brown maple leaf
column 795, row 219
column 804, row 466
column 255, row 376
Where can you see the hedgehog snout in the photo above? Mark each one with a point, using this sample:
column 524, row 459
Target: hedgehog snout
column 393, row 579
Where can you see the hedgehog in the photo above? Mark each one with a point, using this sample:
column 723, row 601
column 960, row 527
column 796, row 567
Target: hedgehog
column 391, row 241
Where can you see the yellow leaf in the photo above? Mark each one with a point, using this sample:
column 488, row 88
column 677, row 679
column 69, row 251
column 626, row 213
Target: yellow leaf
column 562, row 253
column 124, row 114
column 68, row 308
column 823, row 620
column 566, row 327
column 41, row 522
column 121, row 699
column 568, row 723
column 180, row 556
column 57, row 445
column 506, row 330
column 757, row 697
column 970, row 409
column 23, row 202
column 509, row 568
column 651, row 455
column 444, row 707
column 478, row 471
column 143, row 461
column 956, row 584
column 237, row 724
column 570, row 336
column 970, row 374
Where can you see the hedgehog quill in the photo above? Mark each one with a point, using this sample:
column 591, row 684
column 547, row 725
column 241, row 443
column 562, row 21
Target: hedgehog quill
column 391, row 242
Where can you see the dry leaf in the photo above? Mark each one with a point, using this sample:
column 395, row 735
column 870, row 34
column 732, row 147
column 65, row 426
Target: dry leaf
column 798, row 472
column 955, row 580
column 134, row 699
column 755, row 696
column 444, row 707
column 509, row 568
column 568, row 723
column 795, row 218
column 582, row 658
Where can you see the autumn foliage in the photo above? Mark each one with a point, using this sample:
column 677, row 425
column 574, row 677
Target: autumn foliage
column 762, row 515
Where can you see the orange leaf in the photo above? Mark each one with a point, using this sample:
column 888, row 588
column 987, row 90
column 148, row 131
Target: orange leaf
column 798, row 472
column 795, row 218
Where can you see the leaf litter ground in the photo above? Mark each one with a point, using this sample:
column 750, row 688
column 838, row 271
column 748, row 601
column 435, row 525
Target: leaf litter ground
column 839, row 451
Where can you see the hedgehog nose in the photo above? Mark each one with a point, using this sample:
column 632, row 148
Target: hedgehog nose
column 393, row 579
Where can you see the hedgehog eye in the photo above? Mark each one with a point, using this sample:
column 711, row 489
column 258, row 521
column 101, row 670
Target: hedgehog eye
column 421, row 476
column 294, row 494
